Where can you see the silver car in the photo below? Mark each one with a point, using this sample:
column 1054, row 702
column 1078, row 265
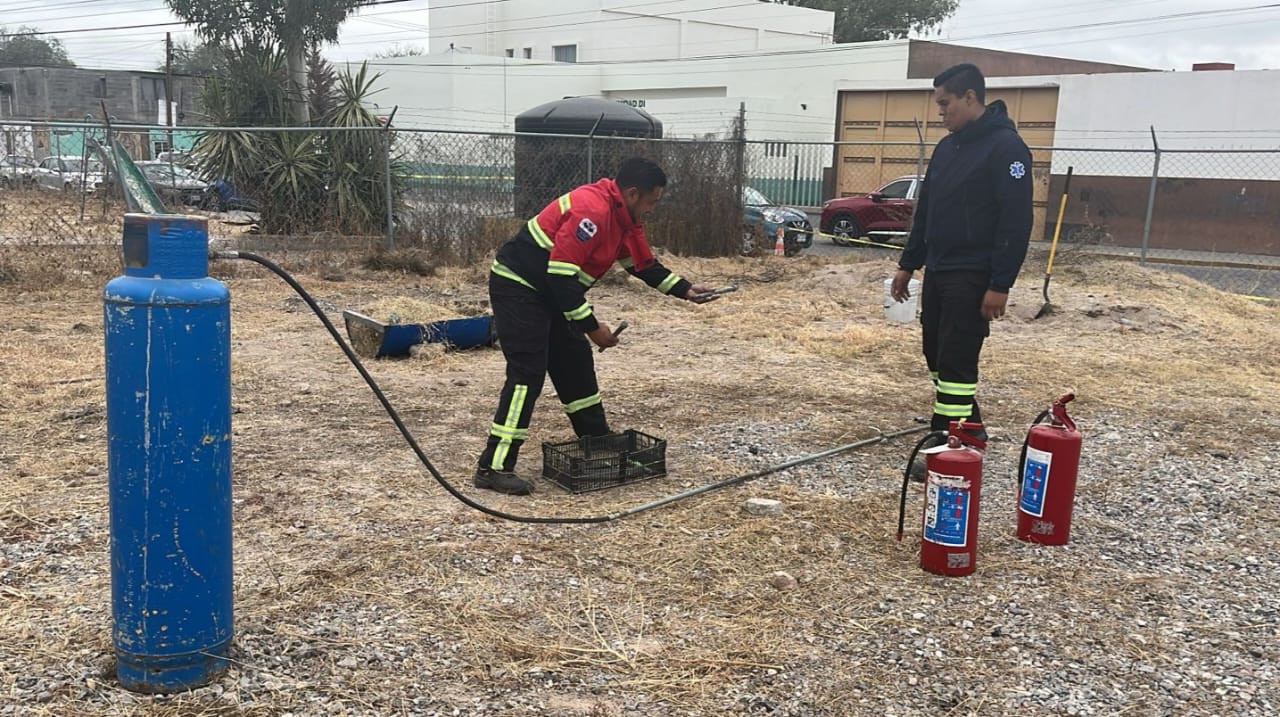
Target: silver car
column 175, row 184
column 68, row 173
column 16, row 172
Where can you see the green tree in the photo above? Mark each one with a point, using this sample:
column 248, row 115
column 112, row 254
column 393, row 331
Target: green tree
column 199, row 60
column 866, row 20
column 22, row 48
column 323, row 81
column 292, row 25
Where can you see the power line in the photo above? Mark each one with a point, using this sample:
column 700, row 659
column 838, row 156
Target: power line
column 735, row 56
column 37, row 33
column 1048, row 13
column 1114, row 23
column 1112, row 38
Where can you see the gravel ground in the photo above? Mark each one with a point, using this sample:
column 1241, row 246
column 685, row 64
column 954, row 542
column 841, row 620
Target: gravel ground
column 1033, row 632
column 362, row 589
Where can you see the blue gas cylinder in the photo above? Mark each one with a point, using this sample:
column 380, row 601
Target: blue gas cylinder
column 168, row 379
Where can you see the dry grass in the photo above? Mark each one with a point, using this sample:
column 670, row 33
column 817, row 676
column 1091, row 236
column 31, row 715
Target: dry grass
column 335, row 518
column 44, row 217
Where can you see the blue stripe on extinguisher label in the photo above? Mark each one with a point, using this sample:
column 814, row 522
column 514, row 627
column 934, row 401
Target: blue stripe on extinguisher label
column 946, row 511
column 1035, row 481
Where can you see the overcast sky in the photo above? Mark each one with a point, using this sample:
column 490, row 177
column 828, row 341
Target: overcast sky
column 1134, row 32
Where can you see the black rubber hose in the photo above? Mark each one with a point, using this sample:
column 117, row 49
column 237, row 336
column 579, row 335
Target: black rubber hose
column 906, row 476
column 422, row 456
column 1022, row 457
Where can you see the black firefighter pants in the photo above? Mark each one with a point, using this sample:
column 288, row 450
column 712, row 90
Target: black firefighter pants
column 537, row 340
column 953, row 332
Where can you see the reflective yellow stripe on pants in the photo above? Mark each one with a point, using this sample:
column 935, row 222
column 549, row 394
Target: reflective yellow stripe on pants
column 510, row 429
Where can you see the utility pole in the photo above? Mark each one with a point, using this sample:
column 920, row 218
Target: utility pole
column 168, row 91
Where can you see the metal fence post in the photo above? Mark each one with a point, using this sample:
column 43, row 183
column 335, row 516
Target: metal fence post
column 591, row 143
column 391, row 219
column 1151, row 199
column 919, row 167
column 919, row 148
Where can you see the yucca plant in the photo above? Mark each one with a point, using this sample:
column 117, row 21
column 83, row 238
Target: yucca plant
column 303, row 181
column 357, row 186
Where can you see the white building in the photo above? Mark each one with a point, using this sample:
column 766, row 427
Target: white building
column 621, row 30
column 1188, row 110
column 787, row 94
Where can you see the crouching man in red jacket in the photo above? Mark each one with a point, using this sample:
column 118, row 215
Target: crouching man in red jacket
column 537, row 288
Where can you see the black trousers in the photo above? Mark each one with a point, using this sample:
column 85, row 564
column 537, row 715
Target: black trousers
column 953, row 332
column 537, row 340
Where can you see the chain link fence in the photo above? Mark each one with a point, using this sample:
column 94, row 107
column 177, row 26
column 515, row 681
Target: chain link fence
column 464, row 193
column 1214, row 214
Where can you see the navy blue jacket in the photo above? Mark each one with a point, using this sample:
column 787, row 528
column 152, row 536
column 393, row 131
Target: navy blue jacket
column 974, row 211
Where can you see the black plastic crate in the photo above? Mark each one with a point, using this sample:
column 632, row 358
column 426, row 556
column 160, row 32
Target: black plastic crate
column 595, row 462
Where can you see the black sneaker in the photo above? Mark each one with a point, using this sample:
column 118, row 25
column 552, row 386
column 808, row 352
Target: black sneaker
column 501, row 481
column 919, row 466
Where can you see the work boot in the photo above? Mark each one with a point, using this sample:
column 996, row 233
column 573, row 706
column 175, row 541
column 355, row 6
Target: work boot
column 501, row 481
column 919, row 466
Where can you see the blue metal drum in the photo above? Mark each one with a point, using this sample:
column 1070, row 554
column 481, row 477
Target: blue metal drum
column 168, row 378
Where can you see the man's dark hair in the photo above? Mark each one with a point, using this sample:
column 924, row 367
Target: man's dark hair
column 959, row 79
column 640, row 173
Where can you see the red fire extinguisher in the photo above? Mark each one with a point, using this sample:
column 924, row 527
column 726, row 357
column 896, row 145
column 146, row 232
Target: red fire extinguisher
column 1047, row 482
column 949, row 536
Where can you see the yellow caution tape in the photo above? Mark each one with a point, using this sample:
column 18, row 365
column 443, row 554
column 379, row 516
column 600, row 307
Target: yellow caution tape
column 851, row 240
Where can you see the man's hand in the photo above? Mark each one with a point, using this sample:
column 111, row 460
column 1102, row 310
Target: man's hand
column 993, row 304
column 603, row 336
column 695, row 290
column 901, row 288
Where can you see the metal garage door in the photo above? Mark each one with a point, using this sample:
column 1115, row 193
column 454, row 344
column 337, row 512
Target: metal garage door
column 891, row 121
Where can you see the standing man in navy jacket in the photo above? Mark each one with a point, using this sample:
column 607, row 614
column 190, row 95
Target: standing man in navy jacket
column 971, row 229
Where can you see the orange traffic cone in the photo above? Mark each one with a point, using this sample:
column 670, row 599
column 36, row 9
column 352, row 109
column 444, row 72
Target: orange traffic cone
column 780, row 246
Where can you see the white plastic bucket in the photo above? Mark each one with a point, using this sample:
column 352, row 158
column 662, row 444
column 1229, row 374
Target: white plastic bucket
column 906, row 311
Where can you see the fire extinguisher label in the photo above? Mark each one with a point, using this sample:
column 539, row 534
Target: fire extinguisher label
column 946, row 512
column 1035, row 481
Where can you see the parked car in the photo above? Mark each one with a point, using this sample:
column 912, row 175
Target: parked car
column 67, row 173
column 17, row 172
column 883, row 215
column 174, row 184
column 180, row 158
column 761, row 219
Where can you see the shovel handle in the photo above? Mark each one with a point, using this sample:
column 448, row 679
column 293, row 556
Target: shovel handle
column 1062, row 207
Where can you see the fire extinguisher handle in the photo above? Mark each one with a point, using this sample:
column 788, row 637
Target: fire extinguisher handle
column 1060, row 412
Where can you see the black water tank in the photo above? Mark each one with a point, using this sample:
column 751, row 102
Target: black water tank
column 546, row 167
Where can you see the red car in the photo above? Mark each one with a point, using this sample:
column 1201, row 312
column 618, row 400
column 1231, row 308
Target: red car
column 883, row 215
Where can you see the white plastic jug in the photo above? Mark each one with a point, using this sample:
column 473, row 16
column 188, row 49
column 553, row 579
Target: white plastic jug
column 906, row 311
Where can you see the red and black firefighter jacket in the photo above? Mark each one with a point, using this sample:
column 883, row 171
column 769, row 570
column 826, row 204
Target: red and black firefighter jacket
column 564, row 250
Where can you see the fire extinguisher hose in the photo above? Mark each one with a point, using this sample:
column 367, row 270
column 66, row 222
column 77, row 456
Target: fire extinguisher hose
column 906, row 475
column 1022, row 456
column 461, row 497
